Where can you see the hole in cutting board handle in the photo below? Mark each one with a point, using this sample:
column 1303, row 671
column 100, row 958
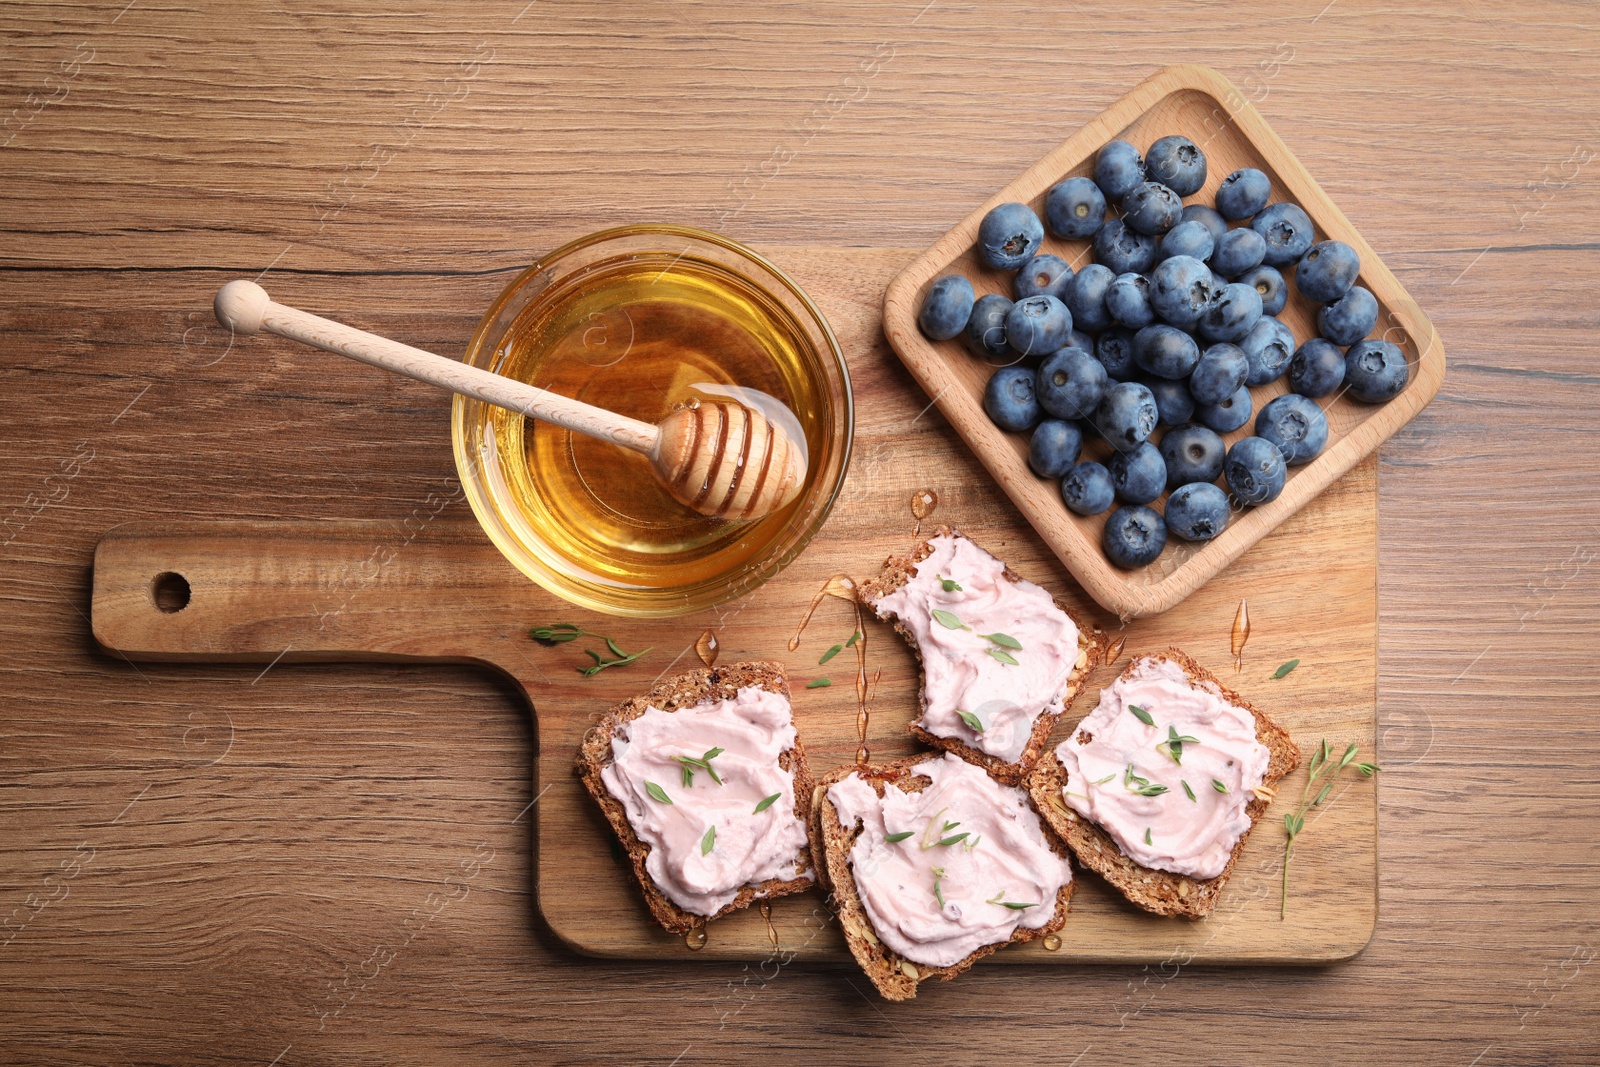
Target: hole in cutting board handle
column 170, row 592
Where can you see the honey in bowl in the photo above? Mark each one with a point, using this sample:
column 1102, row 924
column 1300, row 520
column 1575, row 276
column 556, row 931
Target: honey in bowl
column 639, row 322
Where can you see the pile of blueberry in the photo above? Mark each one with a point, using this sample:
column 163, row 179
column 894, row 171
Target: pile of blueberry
column 1171, row 325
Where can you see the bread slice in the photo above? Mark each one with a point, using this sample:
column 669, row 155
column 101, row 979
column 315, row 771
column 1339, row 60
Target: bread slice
column 831, row 841
column 1162, row 892
column 896, row 572
column 684, row 691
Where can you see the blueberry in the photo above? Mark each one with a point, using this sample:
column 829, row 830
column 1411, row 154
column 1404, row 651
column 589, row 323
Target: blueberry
column 1269, row 283
column 1114, row 351
column 1296, row 425
column 1229, row 415
column 1243, row 193
column 1269, row 346
column 1317, row 369
column 1009, row 399
column 1009, row 235
column 1086, row 489
column 1074, row 208
column 1053, row 449
column 1043, row 275
column 1173, row 399
column 1188, row 239
column 1375, row 371
column 1197, row 511
column 1128, row 301
column 1081, row 341
column 1327, row 271
column 986, row 329
column 1070, row 384
column 1151, row 208
column 1287, row 230
column 1165, row 351
column 1177, row 163
column 1038, row 325
column 1239, row 251
column 1127, row 414
column 1255, row 470
column 1192, row 453
column 1181, row 288
column 1087, row 297
column 1134, row 536
column 1350, row 318
column 1125, row 250
column 1207, row 217
column 946, row 308
column 1232, row 314
column 1117, row 169
column 1219, row 374
column 1139, row 475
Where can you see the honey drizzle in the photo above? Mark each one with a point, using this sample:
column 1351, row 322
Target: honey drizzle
column 1115, row 651
column 707, row 648
column 695, row 939
column 772, row 931
column 843, row 587
column 923, row 501
column 1241, row 634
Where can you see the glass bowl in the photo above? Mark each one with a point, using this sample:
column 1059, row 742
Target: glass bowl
column 638, row 319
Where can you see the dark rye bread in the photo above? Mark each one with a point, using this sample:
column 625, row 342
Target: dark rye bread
column 1162, row 892
column 897, row 570
column 684, row 691
column 831, row 841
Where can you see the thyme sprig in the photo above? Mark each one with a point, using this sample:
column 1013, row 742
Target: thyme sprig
column 1173, row 745
column 690, row 764
column 562, row 632
column 1143, row 786
column 1322, row 765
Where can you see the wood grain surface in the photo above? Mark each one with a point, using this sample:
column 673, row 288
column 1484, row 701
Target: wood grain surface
column 1199, row 103
column 333, row 863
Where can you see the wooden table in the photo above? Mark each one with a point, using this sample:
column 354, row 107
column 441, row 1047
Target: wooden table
column 214, row 862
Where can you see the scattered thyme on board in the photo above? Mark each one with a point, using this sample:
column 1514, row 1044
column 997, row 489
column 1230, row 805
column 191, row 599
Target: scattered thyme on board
column 562, row 632
column 1294, row 822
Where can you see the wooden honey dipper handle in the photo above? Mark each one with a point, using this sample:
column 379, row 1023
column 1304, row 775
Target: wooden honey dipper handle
column 720, row 459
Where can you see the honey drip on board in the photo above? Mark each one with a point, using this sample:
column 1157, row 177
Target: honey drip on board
column 1052, row 943
column 923, row 501
column 766, row 914
column 695, row 939
column 1114, row 653
column 707, row 648
column 843, row 587
column 1241, row 634
column 864, row 716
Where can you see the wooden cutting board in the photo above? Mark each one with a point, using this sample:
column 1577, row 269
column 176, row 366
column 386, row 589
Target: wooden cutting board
column 430, row 587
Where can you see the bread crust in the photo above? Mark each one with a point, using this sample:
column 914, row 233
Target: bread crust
column 687, row 690
column 896, row 978
column 1162, row 892
column 896, row 571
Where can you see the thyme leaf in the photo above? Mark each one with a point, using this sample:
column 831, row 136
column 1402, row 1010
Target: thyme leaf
column 974, row 723
column 708, row 842
column 948, row 621
column 1286, row 668
column 901, row 836
column 657, row 793
column 1141, row 714
column 766, row 802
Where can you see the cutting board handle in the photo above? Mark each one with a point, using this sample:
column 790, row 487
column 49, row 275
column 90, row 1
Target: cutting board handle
column 424, row 589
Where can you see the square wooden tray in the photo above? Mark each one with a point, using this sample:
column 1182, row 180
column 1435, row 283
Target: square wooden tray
column 1203, row 105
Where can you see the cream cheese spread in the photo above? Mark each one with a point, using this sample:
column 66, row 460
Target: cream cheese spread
column 691, row 782
column 996, row 654
column 1171, row 792
column 946, row 871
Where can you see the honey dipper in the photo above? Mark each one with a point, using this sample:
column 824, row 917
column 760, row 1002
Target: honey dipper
column 720, row 458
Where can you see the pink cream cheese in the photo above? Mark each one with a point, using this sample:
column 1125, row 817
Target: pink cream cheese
column 698, row 874
column 965, row 670
column 934, row 903
column 1189, row 831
